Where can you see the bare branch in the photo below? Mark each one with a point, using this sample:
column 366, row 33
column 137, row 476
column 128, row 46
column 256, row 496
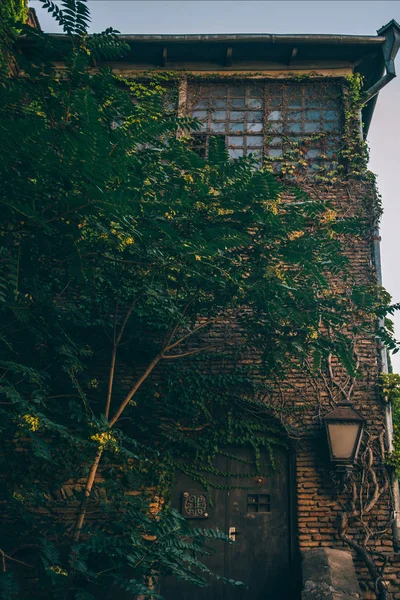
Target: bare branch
column 189, row 353
column 195, row 330
column 168, row 338
column 116, row 341
column 134, row 389
column 5, row 556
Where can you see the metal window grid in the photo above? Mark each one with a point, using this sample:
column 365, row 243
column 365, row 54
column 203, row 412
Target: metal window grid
column 264, row 119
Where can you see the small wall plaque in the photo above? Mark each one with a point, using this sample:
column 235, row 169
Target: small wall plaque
column 194, row 505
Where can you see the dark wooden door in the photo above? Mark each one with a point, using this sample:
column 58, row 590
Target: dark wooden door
column 260, row 516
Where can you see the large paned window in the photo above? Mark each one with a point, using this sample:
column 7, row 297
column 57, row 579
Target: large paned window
column 235, row 112
column 265, row 119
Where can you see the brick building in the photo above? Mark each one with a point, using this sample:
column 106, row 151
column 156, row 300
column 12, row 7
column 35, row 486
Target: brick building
column 287, row 100
column 268, row 95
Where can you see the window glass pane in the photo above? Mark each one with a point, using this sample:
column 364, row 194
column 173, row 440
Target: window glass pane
column 294, row 128
column 236, row 116
column 254, row 127
column 238, row 91
column 329, row 126
column 220, row 103
column 236, row 127
column 275, row 115
column 313, row 114
column 254, row 140
column 238, row 102
column 275, row 152
column 217, row 127
column 201, row 104
column 276, row 127
column 219, row 115
column 254, row 103
column 295, row 115
column 329, row 115
column 295, row 103
column 311, row 127
column 199, row 114
column 235, row 140
column 235, row 152
column 275, row 141
column 256, row 92
column 275, row 102
column 254, row 116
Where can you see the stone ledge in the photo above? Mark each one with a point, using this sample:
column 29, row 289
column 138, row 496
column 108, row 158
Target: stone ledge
column 329, row 574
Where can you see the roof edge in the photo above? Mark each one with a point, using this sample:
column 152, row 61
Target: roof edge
column 248, row 37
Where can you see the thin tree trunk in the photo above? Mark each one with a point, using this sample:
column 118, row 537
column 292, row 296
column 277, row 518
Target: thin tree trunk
column 110, row 381
column 168, row 346
column 134, row 389
column 88, row 490
column 93, row 470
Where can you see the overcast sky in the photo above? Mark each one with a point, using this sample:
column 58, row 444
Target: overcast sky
column 284, row 16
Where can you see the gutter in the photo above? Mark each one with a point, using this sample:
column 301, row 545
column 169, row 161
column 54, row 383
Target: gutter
column 271, row 38
column 390, row 47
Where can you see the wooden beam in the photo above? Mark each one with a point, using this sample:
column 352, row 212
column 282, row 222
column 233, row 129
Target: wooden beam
column 293, row 55
column 228, row 57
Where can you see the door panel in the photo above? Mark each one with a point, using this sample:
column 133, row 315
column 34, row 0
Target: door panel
column 174, row 589
column 259, row 512
column 260, row 556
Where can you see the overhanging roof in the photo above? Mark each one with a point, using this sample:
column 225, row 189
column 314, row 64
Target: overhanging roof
column 363, row 54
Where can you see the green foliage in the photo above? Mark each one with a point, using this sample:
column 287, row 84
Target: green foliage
column 13, row 13
column 136, row 281
column 390, row 389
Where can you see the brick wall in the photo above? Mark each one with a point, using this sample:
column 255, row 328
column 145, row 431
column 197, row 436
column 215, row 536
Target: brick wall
column 312, row 396
column 318, row 506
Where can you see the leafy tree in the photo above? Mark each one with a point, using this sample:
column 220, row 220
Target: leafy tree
column 128, row 265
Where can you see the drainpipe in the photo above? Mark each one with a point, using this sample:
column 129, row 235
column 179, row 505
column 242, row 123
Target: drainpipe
column 390, row 47
column 388, row 407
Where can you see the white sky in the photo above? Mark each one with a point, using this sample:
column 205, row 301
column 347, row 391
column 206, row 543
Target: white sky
column 284, row 16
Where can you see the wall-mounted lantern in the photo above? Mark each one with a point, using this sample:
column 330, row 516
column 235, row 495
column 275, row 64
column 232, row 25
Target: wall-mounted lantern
column 344, row 429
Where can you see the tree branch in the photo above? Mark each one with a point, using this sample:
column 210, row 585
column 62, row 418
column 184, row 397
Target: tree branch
column 184, row 337
column 189, row 353
column 134, row 389
column 116, row 341
column 88, row 490
column 5, row 556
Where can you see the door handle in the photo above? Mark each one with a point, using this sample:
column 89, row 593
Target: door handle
column 232, row 533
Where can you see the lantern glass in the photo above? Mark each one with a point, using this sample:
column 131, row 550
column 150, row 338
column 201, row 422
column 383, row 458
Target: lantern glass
column 344, row 428
column 343, row 440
